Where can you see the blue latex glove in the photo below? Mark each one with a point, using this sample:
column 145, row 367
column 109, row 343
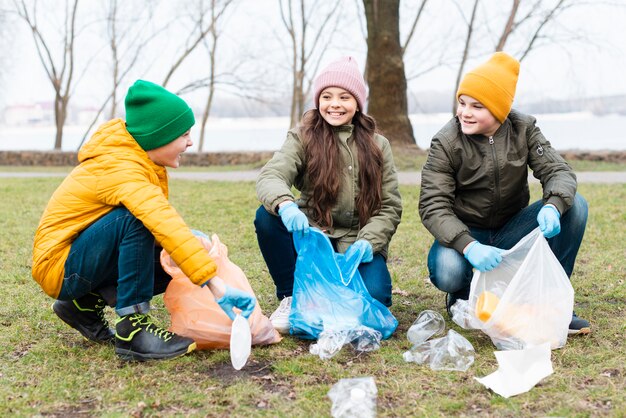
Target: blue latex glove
column 357, row 246
column 293, row 218
column 235, row 298
column 483, row 257
column 549, row 221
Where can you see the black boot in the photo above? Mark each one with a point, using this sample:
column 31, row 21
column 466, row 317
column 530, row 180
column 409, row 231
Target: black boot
column 86, row 315
column 578, row 326
column 451, row 298
column 138, row 338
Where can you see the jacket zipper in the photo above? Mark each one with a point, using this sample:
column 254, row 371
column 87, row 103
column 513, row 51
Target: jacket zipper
column 496, row 204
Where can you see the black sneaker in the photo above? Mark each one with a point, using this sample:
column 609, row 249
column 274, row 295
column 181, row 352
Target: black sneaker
column 86, row 315
column 450, row 300
column 138, row 338
column 578, row 326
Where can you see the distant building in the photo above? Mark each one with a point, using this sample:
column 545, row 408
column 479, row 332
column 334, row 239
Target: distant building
column 42, row 114
column 36, row 114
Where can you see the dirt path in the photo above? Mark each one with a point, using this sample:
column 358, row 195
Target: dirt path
column 405, row 177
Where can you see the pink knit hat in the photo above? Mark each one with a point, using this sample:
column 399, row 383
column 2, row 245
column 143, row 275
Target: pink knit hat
column 343, row 73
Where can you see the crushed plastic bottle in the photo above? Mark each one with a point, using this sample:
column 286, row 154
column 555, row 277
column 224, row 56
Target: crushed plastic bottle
column 452, row 352
column 428, row 324
column 353, row 398
column 457, row 354
column 422, row 353
column 365, row 339
column 240, row 342
column 330, row 342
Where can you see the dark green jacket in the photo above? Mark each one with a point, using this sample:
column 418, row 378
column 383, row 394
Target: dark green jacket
column 287, row 168
column 476, row 181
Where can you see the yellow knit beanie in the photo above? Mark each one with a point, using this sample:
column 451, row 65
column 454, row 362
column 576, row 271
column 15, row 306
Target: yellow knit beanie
column 493, row 84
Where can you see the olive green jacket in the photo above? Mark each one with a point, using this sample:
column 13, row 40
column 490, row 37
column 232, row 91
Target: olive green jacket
column 476, row 181
column 287, row 168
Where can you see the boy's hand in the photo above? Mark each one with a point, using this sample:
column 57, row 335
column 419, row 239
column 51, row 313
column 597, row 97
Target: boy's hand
column 235, row 298
column 483, row 257
column 228, row 298
column 549, row 222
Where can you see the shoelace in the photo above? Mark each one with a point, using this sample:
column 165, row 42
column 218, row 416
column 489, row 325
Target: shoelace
column 284, row 306
column 100, row 310
column 150, row 327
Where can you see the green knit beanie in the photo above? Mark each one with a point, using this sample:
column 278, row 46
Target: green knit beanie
column 154, row 116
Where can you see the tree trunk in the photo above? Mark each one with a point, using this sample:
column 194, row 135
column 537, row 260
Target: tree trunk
column 385, row 72
column 60, row 113
column 205, row 118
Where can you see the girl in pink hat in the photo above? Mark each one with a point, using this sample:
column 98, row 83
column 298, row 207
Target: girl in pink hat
column 348, row 186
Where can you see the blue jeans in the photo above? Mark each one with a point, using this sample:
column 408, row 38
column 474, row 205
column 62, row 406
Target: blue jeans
column 115, row 252
column 276, row 244
column 452, row 273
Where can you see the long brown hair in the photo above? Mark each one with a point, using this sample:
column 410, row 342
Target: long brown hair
column 324, row 166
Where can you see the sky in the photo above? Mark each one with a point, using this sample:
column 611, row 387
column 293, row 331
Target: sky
column 563, row 70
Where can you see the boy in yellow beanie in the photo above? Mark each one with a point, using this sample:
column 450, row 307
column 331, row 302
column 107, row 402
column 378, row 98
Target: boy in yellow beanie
column 99, row 239
column 474, row 195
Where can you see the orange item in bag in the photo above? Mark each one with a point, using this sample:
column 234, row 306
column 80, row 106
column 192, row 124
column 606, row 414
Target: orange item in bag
column 194, row 311
column 486, row 305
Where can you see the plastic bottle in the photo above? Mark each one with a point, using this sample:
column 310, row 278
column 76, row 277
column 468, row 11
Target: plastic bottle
column 353, row 398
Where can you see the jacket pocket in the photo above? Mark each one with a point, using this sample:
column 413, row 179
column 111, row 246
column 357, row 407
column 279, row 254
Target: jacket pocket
column 518, row 157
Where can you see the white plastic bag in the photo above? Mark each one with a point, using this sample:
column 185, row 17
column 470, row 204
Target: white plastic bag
column 527, row 300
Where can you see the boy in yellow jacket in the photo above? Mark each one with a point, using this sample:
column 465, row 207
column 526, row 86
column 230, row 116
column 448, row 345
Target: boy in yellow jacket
column 101, row 233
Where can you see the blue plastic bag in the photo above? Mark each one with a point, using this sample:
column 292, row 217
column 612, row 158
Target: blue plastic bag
column 329, row 293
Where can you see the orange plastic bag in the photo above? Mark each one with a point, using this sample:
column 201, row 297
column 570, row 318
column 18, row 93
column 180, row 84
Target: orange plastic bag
column 195, row 313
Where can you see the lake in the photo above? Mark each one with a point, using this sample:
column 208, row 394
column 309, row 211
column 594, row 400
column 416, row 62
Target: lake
column 569, row 131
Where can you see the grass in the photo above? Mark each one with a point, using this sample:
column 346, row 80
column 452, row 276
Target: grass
column 47, row 369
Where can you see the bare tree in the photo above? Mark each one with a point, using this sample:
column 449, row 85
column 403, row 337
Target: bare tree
column 466, row 48
column 201, row 28
column 509, row 26
column 416, row 19
column 551, row 15
column 305, row 55
column 385, row 72
column 236, row 74
column 127, row 38
column 525, row 26
column 4, row 43
column 217, row 10
column 60, row 72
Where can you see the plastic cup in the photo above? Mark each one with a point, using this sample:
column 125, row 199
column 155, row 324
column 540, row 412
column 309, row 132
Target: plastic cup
column 486, row 305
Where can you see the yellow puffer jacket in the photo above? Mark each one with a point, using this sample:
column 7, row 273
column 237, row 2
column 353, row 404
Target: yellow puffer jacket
column 113, row 171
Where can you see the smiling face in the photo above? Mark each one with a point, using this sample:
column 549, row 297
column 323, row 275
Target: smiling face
column 475, row 118
column 337, row 106
column 169, row 155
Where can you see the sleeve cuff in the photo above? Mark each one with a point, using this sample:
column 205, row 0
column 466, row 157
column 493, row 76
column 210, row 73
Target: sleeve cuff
column 461, row 242
column 558, row 203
